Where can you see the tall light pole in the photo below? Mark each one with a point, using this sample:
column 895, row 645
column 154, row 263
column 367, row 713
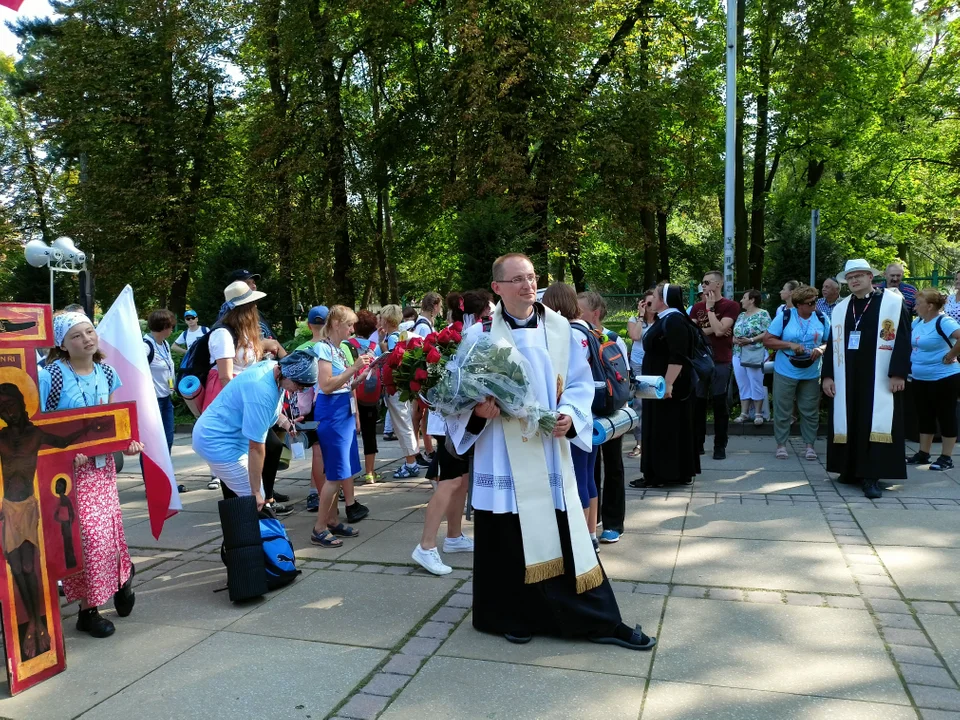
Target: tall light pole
column 730, row 174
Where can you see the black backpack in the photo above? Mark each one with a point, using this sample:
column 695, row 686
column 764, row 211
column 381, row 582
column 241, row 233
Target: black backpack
column 702, row 362
column 820, row 317
column 611, row 375
column 197, row 361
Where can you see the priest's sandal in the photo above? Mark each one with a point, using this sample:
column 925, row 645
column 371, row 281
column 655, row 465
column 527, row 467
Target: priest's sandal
column 871, row 489
column 943, row 463
column 626, row 638
column 92, row 622
column 125, row 597
column 919, row 458
column 341, row 530
column 325, row 539
column 518, row 637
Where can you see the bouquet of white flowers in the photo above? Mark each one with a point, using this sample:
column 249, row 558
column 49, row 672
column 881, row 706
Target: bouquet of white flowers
column 491, row 368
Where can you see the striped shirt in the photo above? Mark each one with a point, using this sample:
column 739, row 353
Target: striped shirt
column 909, row 293
column 825, row 308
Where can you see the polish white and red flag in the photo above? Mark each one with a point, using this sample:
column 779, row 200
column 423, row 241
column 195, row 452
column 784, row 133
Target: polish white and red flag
column 12, row 4
column 122, row 343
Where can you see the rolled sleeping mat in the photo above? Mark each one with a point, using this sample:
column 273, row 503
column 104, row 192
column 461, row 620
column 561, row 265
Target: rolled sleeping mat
column 609, row 428
column 650, row 387
column 240, row 522
column 191, row 391
column 768, row 367
column 246, row 573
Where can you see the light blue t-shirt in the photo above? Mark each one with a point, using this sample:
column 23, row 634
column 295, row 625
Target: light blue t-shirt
column 337, row 359
column 244, row 410
column 78, row 390
column 810, row 333
column 929, row 347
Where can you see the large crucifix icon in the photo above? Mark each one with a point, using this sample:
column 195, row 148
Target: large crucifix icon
column 38, row 533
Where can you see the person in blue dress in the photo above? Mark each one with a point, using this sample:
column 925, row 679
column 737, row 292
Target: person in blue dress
column 337, row 424
column 936, row 377
column 76, row 376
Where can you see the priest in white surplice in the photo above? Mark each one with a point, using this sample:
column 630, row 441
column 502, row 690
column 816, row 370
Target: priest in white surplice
column 535, row 570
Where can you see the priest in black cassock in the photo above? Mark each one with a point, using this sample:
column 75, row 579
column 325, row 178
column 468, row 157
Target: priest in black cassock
column 535, row 570
column 864, row 371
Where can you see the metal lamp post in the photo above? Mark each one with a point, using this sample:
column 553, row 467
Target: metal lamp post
column 60, row 256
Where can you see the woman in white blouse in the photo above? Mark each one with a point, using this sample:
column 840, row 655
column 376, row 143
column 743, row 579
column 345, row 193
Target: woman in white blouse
column 952, row 308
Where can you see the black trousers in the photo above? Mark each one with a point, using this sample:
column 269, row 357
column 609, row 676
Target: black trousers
column 608, row 473
column 721, row 410
column 936, row 402
column 503, row 603
column 369, row 415
column 271, row 462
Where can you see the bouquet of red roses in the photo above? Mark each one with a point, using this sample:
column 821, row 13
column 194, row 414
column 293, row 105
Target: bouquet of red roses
column 416, row 364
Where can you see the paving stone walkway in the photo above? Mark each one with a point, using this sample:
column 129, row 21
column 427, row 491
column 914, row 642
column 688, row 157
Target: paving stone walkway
column 774, row 592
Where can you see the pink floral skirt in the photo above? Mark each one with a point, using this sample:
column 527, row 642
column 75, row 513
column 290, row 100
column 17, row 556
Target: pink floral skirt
column 106, row 559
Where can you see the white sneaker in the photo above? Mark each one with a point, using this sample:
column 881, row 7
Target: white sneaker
column 214, row 484
column 430, row 561
column 457, row 545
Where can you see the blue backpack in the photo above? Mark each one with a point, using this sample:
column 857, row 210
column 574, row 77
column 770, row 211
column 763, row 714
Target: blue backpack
column 278, row 554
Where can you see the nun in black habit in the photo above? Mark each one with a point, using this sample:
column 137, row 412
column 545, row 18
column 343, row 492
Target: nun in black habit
column 670, row 455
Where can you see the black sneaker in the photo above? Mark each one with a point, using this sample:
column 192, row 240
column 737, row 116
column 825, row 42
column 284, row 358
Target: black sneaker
column 719, row 454
column 424, row 459
column 279, row 510
column 943, row 463
column 91, row 621
column 390, row 437
column 919, row 458
column 125, row 597
column 871, row 489
column 340, row 496
column 357, row 512
column 281, row 498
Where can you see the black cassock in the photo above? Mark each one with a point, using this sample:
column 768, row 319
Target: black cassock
column 858, row 457
column 670, row 454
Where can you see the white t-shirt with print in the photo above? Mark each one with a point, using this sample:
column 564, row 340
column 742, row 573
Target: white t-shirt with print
column 189, row 337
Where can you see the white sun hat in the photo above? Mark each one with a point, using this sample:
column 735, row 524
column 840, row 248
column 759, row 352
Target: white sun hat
column 857, row 265
column 239, row 293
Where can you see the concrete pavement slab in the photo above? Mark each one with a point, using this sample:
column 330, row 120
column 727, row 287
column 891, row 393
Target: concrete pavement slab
column 764, row 564
column 95, row 672
column 645, row 557
column 756, row 461
column 923, row 573
column 456, row 688
column 753, row 480
column 919, row 528
column 779, row 648
column 655, row 514
column 392, row 504
column 395, row 544
column 776, row 522
column 642, row 610
column 224, row 677
column 945, row 633
column 684, row 701
column 347, row 607
column 300, row 525
column 181, row 532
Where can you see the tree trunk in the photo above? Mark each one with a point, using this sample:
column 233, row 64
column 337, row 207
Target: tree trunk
column 383, row 197
column 651, row 253
column 758, row 207
column 664, row 273
column 33, row 172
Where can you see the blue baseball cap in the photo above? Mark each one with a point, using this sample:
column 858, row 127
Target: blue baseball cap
column 190, row 313
column 317, row 315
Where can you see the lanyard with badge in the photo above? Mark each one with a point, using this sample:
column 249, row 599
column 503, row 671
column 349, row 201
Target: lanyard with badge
column 163, row 350
column 100, row 461
column 854, row 342
column 343, row 361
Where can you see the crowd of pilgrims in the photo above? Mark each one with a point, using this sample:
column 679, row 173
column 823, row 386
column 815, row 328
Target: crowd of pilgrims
column 257, row 394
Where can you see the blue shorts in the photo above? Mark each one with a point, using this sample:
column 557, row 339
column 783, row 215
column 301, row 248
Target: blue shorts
column 583, row 465
column 337, row 435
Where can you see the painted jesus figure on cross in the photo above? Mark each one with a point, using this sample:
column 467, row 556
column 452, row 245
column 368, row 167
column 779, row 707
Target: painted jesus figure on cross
column 20, row 444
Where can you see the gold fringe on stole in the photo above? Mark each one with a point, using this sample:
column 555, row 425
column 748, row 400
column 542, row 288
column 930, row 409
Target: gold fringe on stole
column 590, row 579
column 839, row 439
column 543, row 571
column 881, row 437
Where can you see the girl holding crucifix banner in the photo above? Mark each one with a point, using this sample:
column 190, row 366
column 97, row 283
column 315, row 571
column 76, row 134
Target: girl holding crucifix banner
column 76, row 376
